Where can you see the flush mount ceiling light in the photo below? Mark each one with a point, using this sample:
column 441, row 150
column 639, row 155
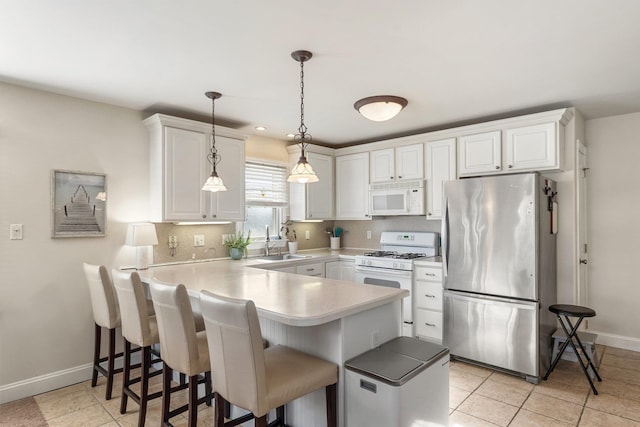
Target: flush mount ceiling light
column 302, row 172
column 380, row 108
column 214, row 182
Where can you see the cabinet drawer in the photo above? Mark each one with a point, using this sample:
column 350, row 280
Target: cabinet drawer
column 315, row 269
column 428, row 273
column 429, row 324
column 429, row 295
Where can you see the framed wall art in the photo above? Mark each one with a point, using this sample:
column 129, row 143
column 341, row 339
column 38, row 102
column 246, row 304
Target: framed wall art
column 78, row 204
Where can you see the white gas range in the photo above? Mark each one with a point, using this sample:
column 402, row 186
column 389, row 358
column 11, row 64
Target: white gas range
column 392, row 265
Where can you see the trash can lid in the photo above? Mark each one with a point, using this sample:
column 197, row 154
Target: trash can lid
column 418, row 349
column 387, row 366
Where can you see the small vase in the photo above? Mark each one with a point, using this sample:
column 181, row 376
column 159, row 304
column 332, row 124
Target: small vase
column 293, row 247
column 335, row 242
column 236, row 253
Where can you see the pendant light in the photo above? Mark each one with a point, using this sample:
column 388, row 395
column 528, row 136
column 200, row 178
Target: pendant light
column 214, row 182
column 302, row 172
column 380, row 108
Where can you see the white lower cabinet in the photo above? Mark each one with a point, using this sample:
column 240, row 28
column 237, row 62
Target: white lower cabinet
column 427, row 300
column 313, row 269
column 340, row 270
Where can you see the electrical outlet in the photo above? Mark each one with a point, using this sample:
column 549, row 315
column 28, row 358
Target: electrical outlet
column 375, row 339
column 15, row 232
column 307, row 234
column 198, row 240
column 368, row 234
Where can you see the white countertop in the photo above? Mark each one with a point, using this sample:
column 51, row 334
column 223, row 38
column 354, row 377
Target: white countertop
column 288, row 298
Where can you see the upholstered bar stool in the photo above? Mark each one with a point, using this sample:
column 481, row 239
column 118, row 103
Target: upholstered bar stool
column 253, row 378
column 182, row 348
column 565, row 312
column 105, row 315
column 139, row 328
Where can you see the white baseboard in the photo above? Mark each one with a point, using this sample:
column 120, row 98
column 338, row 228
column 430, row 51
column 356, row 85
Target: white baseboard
column 44, row 383
column 618, row 341
column 53, row 380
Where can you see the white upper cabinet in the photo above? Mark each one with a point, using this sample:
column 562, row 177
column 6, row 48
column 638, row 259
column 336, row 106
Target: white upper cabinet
column 229, row 204
column 480, row 153
column 527, row 143
column 395, row 164
column 178, row 168
column 532, row 147
column 440, row 167
column 314, row 200
column 352, row 186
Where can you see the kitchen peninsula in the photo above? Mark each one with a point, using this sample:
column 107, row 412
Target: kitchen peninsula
column 332, row 319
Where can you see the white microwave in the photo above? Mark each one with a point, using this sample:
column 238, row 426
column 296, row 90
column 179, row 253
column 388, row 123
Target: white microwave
column 397, row 198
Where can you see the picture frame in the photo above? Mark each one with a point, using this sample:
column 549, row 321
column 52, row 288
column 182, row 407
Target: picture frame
column 78, row 204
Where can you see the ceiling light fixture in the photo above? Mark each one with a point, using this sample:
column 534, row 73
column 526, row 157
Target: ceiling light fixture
column 302, row 172
column 214, row 182
column 380, row 108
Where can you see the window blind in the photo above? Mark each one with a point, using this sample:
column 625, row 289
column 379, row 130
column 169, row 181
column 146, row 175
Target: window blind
column 265, row 185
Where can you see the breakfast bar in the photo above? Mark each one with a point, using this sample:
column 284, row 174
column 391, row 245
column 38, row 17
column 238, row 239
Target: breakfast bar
column 331, row 319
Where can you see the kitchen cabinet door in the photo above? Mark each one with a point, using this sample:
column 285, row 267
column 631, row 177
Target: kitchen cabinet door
column 532, row 148
column 480, row 153
column 184, row 173
column 441, row 167
column 352, row 186
column 340, row 270
column 382, row 165
column 409, row 162
column 314, row 200
column 229, row 205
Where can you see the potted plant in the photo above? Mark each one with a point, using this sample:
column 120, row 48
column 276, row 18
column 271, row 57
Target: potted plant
column 291, row 236
column 237, row 245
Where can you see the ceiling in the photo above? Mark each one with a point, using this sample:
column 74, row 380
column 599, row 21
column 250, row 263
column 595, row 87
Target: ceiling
column 456, row 61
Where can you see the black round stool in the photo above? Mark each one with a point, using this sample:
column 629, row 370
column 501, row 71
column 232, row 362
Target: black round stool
column 567, row 311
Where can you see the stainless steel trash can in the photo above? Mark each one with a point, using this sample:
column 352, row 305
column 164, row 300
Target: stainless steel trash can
column 402, row 383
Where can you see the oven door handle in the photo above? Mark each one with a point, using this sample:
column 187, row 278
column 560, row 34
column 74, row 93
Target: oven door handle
column 385, row 271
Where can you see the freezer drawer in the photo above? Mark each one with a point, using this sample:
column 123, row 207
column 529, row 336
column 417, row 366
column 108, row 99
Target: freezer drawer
column 496, row 331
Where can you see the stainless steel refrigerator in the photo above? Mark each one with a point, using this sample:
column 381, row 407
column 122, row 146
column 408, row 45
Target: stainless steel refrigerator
column 499, row 256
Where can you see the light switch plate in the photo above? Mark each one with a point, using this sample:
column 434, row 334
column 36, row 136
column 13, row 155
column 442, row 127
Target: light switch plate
column 15, row 232
column 307, row 234
column 368, row 234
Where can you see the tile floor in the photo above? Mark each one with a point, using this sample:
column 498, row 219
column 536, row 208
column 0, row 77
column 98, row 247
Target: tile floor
column 478, row 397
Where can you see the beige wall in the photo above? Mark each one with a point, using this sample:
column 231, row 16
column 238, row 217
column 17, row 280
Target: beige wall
column 613, row 228
column 46, row 323
column 355, row 232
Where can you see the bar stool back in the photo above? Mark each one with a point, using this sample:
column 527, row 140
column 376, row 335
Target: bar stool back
column 181, row 347
column 139, row 327
column 105, row 315
column 253, row 378
column 565, row 312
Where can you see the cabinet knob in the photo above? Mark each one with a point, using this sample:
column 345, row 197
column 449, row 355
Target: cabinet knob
column 429, row 214
column 390, row 177
column 497, row 167
column 399, row 177
column 430, row 274
column 510, row 166
column 214, row 215
column 204, row 216
column 429, row 296
column 310, row 215
column 430, row 324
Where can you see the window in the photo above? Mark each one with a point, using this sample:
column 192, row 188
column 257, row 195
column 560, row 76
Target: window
column 266, row 198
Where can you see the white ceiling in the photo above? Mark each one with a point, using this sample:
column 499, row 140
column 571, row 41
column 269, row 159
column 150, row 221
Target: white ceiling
column 456, row 61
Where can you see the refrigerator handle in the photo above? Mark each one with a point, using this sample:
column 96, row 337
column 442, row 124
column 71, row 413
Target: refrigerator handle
column 444, row 244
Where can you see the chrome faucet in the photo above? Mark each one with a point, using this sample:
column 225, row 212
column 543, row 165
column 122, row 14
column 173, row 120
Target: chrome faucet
column 266, row 243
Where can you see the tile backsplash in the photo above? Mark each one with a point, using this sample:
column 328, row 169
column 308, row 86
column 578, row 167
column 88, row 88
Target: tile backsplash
column 213, row 247
column 355, row 236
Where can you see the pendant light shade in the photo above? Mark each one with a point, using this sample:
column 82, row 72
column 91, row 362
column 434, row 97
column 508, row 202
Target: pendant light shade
column 302, row 172
column 380, row 108
column 214, row 182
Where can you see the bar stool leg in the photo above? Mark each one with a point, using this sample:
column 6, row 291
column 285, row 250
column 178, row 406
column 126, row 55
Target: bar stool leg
column 562, row 347
column 575, row 350
column 111, row 362
column 144, row 385
column 126, row 376
column 590, row 362
column 167, row 373
column 96, row 354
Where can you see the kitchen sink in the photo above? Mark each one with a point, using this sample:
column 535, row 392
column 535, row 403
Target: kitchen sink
column 282, row 257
